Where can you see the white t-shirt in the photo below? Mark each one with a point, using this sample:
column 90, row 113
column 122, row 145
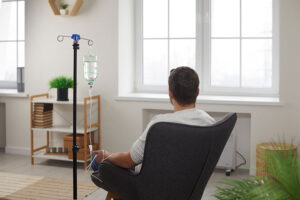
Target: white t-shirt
column 188, row 116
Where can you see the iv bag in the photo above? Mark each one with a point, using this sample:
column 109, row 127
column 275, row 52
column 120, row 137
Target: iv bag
column 90, row 67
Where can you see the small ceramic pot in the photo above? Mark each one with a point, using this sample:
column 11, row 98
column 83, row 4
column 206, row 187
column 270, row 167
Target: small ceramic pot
column 48, row 150
column 63, row 11
column 62, row 94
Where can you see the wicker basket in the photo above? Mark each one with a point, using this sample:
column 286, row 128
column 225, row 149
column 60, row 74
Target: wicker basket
column 265, row 149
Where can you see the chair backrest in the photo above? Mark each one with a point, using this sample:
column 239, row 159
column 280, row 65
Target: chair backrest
column 179, row 159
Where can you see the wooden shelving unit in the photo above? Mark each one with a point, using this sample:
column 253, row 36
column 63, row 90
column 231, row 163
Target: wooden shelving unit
column 73, row 11
column 65, row 129
column 40, row 151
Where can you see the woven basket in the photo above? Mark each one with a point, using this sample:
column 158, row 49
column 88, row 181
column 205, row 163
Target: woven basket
column 265, row 149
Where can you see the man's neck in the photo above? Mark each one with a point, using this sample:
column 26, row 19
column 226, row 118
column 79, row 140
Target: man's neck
column 178, row 107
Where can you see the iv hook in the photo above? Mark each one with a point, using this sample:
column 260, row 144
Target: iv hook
column 61, row 38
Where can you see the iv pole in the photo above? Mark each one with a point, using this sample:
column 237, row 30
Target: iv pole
column 75, row 148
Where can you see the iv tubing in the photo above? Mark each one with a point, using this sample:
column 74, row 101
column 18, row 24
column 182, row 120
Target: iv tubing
column 90, row 165
column 91, row 104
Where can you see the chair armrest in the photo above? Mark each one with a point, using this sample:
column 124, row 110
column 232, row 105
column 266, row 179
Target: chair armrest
column 117, row 180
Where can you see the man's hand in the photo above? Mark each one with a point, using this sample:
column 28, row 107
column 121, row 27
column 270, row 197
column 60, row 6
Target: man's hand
column 101, row 155
column 120, row 159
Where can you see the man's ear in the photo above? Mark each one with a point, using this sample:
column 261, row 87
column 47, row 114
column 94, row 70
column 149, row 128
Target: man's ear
column 170, row 94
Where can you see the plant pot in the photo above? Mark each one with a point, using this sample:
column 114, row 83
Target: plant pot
column 62, row 94
column 63, row 11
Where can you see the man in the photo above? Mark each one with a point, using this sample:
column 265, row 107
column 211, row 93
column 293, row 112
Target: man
column 183, row 92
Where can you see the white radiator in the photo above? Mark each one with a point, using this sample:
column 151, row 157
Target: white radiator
column 228, row 158
column 2, row 126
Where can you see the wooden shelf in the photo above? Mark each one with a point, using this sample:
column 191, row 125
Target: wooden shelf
column 73, row 12
column 54, row 101
column 65, row 129
column 41, row 155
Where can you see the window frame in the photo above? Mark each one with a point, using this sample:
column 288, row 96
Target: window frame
column 13, row 84
column 203, row 22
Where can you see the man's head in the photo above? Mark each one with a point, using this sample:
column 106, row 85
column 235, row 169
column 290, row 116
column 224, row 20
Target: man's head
column 183, row 86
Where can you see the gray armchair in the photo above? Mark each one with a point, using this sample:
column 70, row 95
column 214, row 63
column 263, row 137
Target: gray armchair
column 178, row 162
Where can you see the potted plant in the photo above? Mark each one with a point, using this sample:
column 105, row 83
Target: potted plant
column 62, row 84
column 281, row 182
column 63, row 8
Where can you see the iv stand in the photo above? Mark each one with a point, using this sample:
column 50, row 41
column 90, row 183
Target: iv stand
column 75, row 148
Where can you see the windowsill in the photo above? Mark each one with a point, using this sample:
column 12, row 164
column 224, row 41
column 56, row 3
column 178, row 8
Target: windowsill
column 12, row 93
column 205, row 99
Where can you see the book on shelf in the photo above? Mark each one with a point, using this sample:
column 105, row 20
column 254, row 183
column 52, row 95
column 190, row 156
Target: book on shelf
column 49, row 123
column 43, row 126
column 43, row 107
column 42, row 115
column 43, row 121
column 42, row 118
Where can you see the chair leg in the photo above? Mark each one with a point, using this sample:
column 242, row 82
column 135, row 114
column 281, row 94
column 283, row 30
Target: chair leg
column 109, row 196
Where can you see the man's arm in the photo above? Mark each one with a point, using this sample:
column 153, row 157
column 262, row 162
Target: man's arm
column 119, row 159
column 127, row 159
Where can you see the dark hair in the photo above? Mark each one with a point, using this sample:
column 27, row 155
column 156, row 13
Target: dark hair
column 184, row 84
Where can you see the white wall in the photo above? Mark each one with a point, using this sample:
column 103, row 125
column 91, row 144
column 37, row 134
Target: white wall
column 122, row 121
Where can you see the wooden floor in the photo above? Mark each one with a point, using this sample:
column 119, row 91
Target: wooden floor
column 19, row 164
column 18, row 186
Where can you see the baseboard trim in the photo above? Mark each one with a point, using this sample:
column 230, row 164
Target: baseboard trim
column 17, row 150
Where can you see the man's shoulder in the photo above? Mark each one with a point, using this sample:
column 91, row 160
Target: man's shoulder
column 162, row 117
column 189, row 116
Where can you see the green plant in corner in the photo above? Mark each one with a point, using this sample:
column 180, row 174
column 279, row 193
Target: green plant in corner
column 61, row 82
column 282, row 181
column 64, row 6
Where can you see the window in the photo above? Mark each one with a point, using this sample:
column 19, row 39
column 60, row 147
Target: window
column 232, row 44
column 12, row 41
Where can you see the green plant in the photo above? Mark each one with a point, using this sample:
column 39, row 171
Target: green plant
column 61, row 82
column 64, row 6
column 282, row 181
